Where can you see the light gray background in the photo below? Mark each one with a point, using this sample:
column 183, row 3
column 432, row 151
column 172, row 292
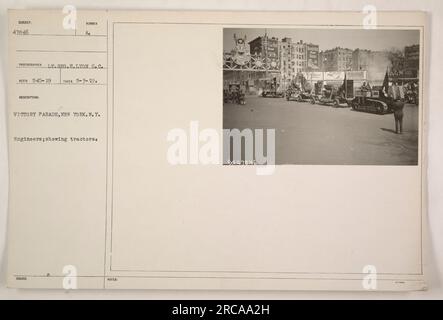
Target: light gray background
column 434, row 265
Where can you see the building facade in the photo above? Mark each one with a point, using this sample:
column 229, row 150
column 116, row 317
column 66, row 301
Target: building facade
column 306, row 57
column 266, row 47
column 287, row 61
column 299, row 56
column 312, row 57
column 361, row 59
column 337, row 59
column 291, row 57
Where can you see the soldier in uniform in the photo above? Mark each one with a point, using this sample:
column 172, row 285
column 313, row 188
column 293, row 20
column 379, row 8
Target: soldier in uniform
column 366, row 91
column 397, row 96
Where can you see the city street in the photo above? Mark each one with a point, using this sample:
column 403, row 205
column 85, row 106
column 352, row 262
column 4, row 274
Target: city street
column 317, row 134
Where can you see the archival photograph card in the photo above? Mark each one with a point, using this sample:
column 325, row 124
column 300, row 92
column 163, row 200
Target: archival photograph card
column 206, row 150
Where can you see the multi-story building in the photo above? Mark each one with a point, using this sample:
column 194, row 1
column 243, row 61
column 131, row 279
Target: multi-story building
column 344, row 59
column 412, row 61
column 312, row 57
column 300, row 56
column 291, row 57
column 361, row 59
column 297, row 57
column 287, row 62
column 337, row 59
column 306, row 56
column 267, row 48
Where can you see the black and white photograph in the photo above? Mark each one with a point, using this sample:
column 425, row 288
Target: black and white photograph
column 332, row 96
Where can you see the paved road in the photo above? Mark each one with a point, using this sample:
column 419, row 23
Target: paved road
column 316, row 134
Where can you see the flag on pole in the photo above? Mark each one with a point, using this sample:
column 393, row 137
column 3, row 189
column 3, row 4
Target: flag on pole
column 386, row 84
column 303, row 81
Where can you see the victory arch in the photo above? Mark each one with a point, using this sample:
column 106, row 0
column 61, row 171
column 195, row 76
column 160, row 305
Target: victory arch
column 252, row 69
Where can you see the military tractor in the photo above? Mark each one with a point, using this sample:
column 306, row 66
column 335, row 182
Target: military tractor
column 373, row 101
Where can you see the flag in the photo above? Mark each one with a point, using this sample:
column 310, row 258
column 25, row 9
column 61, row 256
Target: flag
column 303, row 81
column 386, row 84
column 343, row 87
